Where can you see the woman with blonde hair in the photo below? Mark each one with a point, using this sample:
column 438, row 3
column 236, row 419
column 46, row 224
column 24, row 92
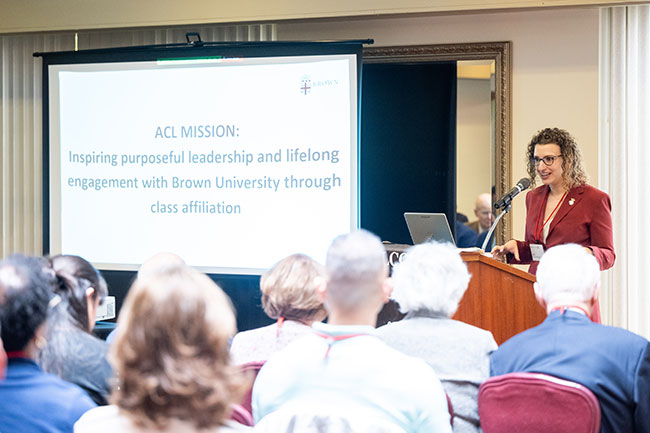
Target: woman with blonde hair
column 289, row 296
column 171, row 358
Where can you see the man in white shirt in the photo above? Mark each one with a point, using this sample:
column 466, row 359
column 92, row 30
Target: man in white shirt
column 343, row 377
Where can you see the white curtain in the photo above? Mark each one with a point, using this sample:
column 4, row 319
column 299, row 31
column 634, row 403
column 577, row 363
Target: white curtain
column 21, row 138
column 21, row 116
column 625, row 161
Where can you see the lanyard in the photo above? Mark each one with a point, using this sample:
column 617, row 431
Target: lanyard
column 17, row 354
column 538, row 234
column 563, row 309
column 280, row 322
column 331, row 339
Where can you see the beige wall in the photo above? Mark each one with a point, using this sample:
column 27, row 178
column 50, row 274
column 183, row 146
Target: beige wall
column 41, row 15
column 473, row 143
column 554, row 67
column 554, row 54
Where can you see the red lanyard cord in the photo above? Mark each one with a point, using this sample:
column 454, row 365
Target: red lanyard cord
column 331, row 339
column 564, row 308
column 279, row 322
column 538, row 234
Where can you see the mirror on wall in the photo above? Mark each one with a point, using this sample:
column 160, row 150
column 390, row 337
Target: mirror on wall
column 475, row 140
column 483, row 123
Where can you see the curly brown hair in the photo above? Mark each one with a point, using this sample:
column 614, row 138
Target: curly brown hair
column 573, row 172
column 171, row 352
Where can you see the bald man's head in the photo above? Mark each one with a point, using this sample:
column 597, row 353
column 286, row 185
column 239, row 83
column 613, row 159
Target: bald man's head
column 483, row 211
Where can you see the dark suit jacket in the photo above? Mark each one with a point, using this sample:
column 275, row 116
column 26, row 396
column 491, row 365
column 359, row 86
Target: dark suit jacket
column 612, row 362
column 465, row 237
column 584, row 218
column 481, row 239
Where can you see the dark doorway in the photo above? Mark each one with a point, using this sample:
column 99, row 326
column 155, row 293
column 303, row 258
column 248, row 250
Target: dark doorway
column 408, row 145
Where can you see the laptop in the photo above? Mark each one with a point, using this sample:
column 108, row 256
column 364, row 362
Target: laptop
column 425, row 227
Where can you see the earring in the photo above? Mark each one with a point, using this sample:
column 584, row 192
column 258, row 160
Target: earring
column 40, row 342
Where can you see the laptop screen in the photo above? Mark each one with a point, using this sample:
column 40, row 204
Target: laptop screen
column 425, row 227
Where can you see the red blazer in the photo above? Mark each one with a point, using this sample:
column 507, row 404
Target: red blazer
column 584, row 218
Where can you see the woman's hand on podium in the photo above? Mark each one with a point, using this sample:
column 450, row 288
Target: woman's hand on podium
column 499, row 252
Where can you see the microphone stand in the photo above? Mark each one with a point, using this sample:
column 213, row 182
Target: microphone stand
column 505, row 210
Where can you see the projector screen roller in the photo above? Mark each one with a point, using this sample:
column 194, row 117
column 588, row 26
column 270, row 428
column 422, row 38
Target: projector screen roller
column 231, row 163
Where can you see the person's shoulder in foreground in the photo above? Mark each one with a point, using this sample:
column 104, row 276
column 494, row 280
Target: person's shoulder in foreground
column 109, row 419
column 562, row 333
column 40, row 402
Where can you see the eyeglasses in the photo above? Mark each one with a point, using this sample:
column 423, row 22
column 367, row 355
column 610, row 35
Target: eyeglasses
column 548, row 160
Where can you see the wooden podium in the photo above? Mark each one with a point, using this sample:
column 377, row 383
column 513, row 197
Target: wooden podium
column 499, row 298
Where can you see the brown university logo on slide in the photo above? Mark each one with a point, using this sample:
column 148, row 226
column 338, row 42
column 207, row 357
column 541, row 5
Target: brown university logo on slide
column 305, row 84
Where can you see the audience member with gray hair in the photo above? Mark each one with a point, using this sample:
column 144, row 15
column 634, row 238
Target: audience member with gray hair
column 613, row 363
column 428, row 285
column 342, row 377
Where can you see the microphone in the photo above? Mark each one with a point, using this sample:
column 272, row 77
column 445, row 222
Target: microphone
column 506, row 199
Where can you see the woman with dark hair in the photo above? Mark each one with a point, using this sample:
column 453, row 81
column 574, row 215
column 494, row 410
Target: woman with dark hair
column 72, row 352
column 171, row 358
column 30, row 399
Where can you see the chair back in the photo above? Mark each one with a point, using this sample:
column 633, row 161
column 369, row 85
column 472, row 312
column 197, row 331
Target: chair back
column 250, row 368
column 536, row 403
column 241, row 415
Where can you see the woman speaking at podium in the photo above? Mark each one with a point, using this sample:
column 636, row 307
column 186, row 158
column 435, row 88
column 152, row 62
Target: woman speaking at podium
column 564, row 209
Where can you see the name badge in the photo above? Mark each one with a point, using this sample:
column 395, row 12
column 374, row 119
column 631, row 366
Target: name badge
column 536, row 251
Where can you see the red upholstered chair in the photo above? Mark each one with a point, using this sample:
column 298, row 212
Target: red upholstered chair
column 536, row 403
column 241, row 415
column 251, row 368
